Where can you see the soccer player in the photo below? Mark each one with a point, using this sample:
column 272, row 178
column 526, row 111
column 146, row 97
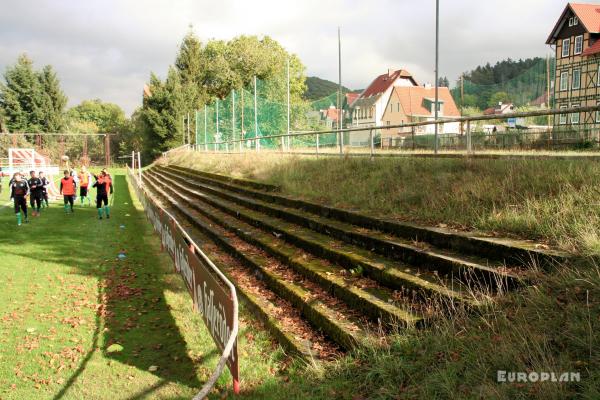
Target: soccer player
column 103, row 185
column 35, row 187
column 85, row 178
column 45, row 183
column 19, row 189
column 67, row 189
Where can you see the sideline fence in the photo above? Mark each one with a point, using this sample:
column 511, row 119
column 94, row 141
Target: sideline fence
column 467, row 134
column 213, row 295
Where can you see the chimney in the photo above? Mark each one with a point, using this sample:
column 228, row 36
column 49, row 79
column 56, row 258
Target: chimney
column 390, row 71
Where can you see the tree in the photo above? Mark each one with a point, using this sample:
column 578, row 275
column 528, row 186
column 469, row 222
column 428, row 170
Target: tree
column 161, row 114
column 499, row 97
column 21, row 97
column 443, row 82
column 54, row 101
column 31, row 101
column 107, row 117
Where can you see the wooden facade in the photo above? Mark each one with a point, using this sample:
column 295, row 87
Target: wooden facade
column 577, row 76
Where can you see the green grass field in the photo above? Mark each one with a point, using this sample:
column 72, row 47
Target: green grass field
column 66, row 298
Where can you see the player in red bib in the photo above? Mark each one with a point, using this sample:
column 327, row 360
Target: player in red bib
column 67, row 189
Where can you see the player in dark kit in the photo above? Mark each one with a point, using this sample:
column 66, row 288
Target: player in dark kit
column 35, row 187
column 103, row 185
column 19, row 189
column 45, row 183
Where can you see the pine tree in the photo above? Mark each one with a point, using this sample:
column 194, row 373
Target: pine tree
column 54, row 101
column 21, row 97
column 31, row 101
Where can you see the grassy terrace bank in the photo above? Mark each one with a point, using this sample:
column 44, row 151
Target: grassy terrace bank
column 551, row 200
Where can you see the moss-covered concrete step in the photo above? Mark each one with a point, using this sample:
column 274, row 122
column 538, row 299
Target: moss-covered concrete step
column 248, row 183
column 263, row 309
column 332, row 319
column 505, row 250
column 477, row 271
column 378, row 303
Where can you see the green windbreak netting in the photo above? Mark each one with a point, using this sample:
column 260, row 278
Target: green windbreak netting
column 233, row 118
column 528, row 88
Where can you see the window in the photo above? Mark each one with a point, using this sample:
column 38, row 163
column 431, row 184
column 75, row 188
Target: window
column 578, row 44
column 576, row 79
column 575, row 21
column 598, row 113
column 398, row 104
column 566, row 43
column 564, row 81
column 562, row 119
column 571, row 21
column 371, row 112
column 575, row 116
column 598, row 76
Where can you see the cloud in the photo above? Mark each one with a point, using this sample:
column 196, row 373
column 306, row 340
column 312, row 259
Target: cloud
column 107, row 49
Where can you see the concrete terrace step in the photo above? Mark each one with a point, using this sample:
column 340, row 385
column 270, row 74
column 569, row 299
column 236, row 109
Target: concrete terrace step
column 263, row 308
column 334, row 320
column 445, row 262
column 374, row 302
column 508, row 251
column 389, row 273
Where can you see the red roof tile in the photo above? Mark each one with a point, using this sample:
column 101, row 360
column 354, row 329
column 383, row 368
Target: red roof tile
column 593, row 49
column 384, row 81
column 350, row 97
column 331, row 113
column 589, row 15
column 411, row 99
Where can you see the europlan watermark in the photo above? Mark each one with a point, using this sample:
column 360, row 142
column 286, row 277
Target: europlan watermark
column 534, row 376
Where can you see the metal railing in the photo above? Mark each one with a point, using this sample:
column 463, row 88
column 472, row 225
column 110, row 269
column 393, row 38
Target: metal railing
column 410, row 131
column 228, row 348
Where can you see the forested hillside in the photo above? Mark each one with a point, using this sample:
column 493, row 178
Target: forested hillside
column 317, row 88
column 518, row 81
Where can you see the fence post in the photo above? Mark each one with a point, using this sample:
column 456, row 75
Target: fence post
column 318, row 143
column 412, row 133
column 469, row 144
column 139, row 157
column 371, row 142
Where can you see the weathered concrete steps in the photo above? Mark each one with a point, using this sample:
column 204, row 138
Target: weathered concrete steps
column 283, row 302
column 345, row 275
column 509, row 251
column 360, row 243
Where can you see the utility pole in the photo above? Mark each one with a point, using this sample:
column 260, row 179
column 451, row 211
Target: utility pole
column 188, row 127
column 437, row 39
column 462, row 92
column 548, row 85
column 205, row 129
column 340, row 117
column 233, row 118
column 183, row 128
column 243, row 132
column 287, row 145
column 256, row 139
column 196, row 129
column 218, row 135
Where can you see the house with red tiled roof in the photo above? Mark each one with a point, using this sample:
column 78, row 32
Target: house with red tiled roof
column 330, row 116
column 575, row 39
column 417, row 104
column 368, row 108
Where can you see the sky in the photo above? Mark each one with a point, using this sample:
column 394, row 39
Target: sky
column 106, row 49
